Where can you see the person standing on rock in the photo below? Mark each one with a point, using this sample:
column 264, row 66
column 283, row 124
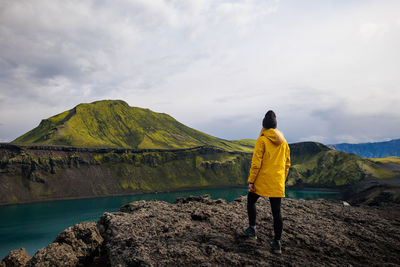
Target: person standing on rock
column 269, row 169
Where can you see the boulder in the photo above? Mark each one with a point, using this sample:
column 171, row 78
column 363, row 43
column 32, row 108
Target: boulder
column 78, row 244
column 15, row 258
column 55, row 254
column 84, row 238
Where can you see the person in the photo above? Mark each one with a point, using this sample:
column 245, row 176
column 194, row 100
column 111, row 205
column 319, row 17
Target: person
column 269, row 168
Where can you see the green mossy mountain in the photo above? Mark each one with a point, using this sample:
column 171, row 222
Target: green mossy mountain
column 115, row 124
column 314, row 164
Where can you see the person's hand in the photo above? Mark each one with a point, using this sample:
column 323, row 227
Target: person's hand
column 251, row 188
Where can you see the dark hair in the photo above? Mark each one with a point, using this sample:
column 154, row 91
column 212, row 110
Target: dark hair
column 269, row 120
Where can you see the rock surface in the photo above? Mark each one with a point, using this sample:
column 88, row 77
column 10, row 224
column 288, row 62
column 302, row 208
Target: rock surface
column 199, row 231
column 377, row 195
column 15, row 258
column 75, row 246
column 202, row 232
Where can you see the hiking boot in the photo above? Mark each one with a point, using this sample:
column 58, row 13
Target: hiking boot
column 276, row 247
column 250, row 232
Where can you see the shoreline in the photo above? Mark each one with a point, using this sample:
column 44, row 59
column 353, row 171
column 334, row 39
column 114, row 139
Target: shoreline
column 322, row 189
column 183, row 189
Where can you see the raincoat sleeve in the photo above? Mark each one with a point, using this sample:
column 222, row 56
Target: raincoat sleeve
column 287, row 164
column 256, row 160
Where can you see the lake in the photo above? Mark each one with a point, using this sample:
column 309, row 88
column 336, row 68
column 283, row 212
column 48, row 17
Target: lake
column 35, row 225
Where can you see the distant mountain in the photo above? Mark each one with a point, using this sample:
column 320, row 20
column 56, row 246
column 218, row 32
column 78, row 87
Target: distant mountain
column 114, row 124
column 371, row 150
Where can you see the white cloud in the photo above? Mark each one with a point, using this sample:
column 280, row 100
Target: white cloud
column 313, row 138
column 214, row 65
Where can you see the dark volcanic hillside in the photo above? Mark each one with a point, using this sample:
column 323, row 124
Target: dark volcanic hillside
column 38, row 172
column 114, row 124
column 199, row 231
column 371, row 150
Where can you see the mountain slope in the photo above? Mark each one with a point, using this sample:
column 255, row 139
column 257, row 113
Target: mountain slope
column 314, row 164
column 250, row 143
column 389, row 163
column 114, row 124
column 371, row 150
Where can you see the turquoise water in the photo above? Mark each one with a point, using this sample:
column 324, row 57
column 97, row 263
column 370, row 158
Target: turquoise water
column 35, row 225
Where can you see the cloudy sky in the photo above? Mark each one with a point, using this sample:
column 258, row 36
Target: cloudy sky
column 329, row 69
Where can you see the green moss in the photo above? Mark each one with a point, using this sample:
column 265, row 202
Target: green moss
column 386, row 160
column 325, row 167
column 114, row 124
column 98, row 158
column 60, row 117
column 162, row 171
column 126, row 184
column 376, row 171
column 250, row 143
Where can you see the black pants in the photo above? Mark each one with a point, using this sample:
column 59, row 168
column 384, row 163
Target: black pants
column 276, row 212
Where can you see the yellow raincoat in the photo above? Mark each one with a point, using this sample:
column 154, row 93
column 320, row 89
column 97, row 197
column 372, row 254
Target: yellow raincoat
column 270, row 164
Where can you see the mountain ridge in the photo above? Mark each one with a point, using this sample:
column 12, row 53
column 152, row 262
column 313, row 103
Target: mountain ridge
column 371, row 149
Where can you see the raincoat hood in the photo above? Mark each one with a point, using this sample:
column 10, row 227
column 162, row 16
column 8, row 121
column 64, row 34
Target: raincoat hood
column 274, row 135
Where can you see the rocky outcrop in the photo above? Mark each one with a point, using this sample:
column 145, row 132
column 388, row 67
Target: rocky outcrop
column 75, row 246
column 377, row 195
column 21, row 147
column 199, row 231
column 78, row 245
column 15, row 258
